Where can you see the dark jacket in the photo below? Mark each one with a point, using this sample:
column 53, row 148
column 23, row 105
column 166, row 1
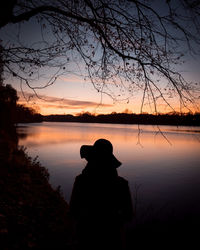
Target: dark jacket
column 101, row 204
column 101, row 196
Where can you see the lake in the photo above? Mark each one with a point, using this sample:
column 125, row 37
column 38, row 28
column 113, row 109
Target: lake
column 161, row 164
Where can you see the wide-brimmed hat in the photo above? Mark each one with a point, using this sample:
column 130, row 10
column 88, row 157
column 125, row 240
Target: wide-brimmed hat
column 101, row 150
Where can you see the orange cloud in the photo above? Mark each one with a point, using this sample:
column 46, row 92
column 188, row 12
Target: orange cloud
column 62, row 106
column 54, row 103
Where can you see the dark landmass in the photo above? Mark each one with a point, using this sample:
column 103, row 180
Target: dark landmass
column 123, row 118
column 33, row 215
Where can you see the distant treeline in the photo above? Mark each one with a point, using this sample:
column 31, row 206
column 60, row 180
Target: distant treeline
column 123, row 118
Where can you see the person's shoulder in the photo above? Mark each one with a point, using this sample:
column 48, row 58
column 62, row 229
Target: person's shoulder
column 122, row 180
column 80, row 178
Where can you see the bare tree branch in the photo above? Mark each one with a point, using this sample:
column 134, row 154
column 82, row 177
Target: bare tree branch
column 125, row 46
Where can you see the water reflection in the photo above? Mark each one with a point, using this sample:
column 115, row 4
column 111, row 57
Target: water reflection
column 48, row 133
column 166, row 173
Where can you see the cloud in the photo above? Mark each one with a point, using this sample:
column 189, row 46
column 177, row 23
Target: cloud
column 72, row 79
column 62, row 106
column 59, row 103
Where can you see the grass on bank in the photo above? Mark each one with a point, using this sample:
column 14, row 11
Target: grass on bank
column 32, row 214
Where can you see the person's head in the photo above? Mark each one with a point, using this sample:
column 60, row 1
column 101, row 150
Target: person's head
column 101, row 151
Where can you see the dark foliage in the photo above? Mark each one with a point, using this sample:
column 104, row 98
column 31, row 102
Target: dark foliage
column 32, row 214
column 11, row 112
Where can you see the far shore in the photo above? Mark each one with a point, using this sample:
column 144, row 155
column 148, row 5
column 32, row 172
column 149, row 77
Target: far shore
column 123, row 118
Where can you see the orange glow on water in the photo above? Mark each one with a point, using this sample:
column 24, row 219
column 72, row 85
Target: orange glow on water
column 55, row 132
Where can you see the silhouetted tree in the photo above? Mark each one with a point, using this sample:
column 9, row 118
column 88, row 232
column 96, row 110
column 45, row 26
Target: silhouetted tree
column 130, row 45
column 1, row 65
column 8, row 99
column 26, row 114
column 11, row 112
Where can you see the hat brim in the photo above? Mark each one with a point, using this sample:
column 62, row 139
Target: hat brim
column 87, row 152
column 115, row 162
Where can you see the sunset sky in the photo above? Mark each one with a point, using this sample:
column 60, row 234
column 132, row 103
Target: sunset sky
column 71, row 94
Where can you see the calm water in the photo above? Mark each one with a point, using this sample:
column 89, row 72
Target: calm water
column 164, row 167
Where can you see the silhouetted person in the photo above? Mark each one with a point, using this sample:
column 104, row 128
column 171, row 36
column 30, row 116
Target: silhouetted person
column 100, row 200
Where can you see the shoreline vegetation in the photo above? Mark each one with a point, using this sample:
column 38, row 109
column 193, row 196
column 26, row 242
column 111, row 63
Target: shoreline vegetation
column 187, row 119
column 33, row 215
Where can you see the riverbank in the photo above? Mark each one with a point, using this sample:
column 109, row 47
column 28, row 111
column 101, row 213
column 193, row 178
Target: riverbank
column 32, row 214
